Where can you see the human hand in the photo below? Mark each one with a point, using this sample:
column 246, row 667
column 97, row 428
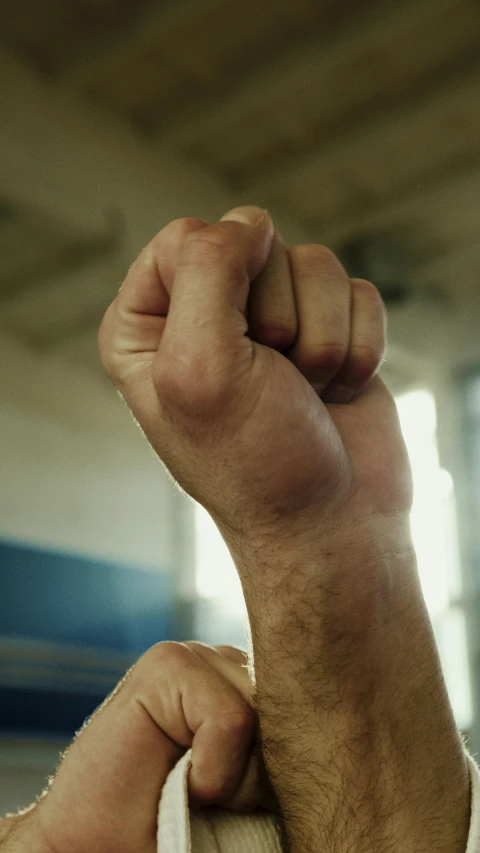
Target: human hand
column 106, row 791
column 237, row 373
column 230, row 381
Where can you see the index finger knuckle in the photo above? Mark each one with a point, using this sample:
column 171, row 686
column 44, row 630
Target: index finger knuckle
column 178, row 230
column 211, row 246
column 162, row 655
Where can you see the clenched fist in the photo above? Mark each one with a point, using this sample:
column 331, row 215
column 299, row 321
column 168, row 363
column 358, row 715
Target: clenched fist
column 252, row 371
column 177, row 696
column 238, row 357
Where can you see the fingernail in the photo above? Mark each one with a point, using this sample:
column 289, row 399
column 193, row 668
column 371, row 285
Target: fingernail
column 247, row 216
column 148, row 256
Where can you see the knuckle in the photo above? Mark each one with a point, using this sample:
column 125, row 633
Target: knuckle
column 209, row 249
column 364, row 359
column 370, row 295
column 171, row 378
column 186, row 225
column 191, row 385
column 328, row 357
column 163, row 663
column 178, row 230
column 277, row 333
column 210, row 243
column 315, row 255
column 365, row 285
column 161, row 654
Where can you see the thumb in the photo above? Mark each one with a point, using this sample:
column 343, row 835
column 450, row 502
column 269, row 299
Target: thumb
column 206, row 319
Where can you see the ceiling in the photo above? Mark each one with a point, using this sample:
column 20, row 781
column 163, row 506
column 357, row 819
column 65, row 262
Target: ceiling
column 358, row 121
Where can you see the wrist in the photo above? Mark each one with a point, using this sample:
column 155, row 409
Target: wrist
column 350, row 572
column 315, row 543
column 349, row 689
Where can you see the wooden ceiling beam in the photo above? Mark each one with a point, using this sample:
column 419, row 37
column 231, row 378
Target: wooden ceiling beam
column 155, row 18
column 454, row 189
column 445, row 118
column 258, row 86
column 56, row 305
column 79, row 167
column 33, row 161
column 83, row 167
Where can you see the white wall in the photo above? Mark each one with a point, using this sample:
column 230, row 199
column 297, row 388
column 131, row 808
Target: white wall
column 76, row 472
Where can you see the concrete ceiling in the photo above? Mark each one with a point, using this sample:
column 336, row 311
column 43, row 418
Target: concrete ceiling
column 351, row 121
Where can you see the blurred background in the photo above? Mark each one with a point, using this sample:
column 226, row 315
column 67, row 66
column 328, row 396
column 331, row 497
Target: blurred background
column 357, row 124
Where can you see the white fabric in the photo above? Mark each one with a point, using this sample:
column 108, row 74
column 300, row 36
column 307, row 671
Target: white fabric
column 215, row 830
column 209, row 830
column 474, row 836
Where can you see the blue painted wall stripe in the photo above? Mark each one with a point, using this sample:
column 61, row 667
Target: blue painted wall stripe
column 73, row 600
column 69, row 628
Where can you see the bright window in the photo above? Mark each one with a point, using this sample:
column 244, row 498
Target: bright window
column 216, row 575
column 432, row 513
column 434, row 534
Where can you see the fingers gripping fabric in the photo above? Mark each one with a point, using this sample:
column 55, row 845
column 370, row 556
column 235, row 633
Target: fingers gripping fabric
column 210, row 830
column 215, row 830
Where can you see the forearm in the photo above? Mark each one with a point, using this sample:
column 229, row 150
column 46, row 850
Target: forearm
column 20, row 834
column 358, row 734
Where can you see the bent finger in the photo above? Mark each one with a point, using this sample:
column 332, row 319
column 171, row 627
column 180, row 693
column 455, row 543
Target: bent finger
column 204, row 338
column 134, row 322
column 231, row 663
column 367, row 344
column 149, row 281
column 196, row 706
column 255, row 789
column 271, row 309
column 323, row 294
